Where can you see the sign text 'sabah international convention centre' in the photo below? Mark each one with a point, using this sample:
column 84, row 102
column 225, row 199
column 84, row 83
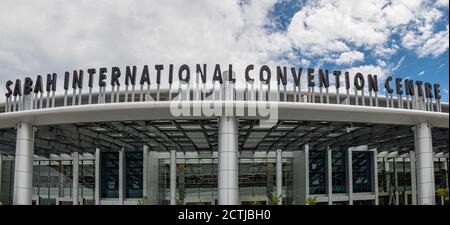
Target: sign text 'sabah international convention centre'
column 207, row 134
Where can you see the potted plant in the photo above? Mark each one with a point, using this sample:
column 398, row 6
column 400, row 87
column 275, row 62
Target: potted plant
column 443, row 192
column 254, row 202
column 143, row 201
column 274, row 199
column 180, row 202
column 311, row 201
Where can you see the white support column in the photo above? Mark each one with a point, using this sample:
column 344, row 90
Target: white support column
column 153, row 178
column 1, row 166
column 375, row 175
column 97, row 176
column 301, row 175
column 122, row 175
column 329, row 171
column 228, row 161
column 413, row 177
column 349, row 176
column 173, row 177
column 23, row 170
column 75, row 178
column 425, row 168
column 145, row 150
column 279, row 168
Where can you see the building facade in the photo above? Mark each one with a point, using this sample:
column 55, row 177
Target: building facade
column 128, row 147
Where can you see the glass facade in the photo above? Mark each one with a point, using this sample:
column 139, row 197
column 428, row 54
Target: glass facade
column 317, row 175
column 362, row 171
column 339, row 171
column 134, row 175
column 52, row 180
column 197, row 180
column 86, row 187
column 110, row 175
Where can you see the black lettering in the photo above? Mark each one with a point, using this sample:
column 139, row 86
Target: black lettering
column 265, row 69
column 202, row 72
column 358, row 81
column 230, row 74
column 296, row 75
column 185, row 68
column 130, row 75
column 437, row 91
column 310, row 76
column 282, row 75
column 247, row 73
column 102, row 77
column 8, row 88
column 115, row 74
column 158, row 68
column 324, row 79
column 347, row 80
column 398, row 86
column 419, row 88
column 91, row 73
column 145, row 77
column 38, row 87
column 409, row 87
column 372, row 82
column 18, row 88
column 51, row 82
column 28, row 86
column 428, row 90
column 77, row 80
column 217, row 75
column 387, row 85
column 337, row 75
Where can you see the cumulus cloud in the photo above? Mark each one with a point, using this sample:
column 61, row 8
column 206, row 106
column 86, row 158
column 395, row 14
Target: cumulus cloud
column 436, row 45
column 39, row 37
column 350, row 57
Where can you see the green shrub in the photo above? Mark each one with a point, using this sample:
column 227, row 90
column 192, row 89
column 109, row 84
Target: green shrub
column 311, row 201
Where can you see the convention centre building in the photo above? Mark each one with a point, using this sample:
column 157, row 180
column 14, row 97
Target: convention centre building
column 167, row 135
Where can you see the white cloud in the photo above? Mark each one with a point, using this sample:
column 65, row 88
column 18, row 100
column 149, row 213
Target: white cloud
column 399, row 63
column 443, row 3
column 435, row 45
column 350, row 57
column 39, row 37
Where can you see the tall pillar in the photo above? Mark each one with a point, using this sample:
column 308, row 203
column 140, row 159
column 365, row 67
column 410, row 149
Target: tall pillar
column 375, row 175
column 97, row 176
column 153, row 178
column 75, row 178
column 23, row 170
column 228, row 161
column 122, row 175
column 279, row 168
column 412, row 164
column 1, row 166
column 425, row 168
column 145, row 171
column 301, row 175
column 173, row 177
column 349, row 176
column 329, row 171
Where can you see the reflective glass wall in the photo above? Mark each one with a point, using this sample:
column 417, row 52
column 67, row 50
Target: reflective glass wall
column 197, row 180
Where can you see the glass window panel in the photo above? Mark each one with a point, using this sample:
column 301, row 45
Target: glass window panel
column 362, row 171
column 134, row 175
column 110, row 175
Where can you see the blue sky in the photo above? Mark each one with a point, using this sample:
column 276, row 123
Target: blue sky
column 402, row 38
column 406, row 62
